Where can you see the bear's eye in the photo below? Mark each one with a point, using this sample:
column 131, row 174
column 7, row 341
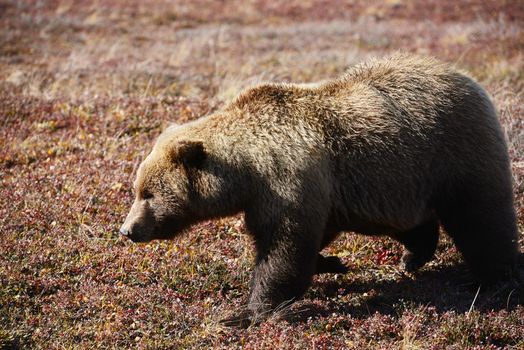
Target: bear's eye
column 147, row 195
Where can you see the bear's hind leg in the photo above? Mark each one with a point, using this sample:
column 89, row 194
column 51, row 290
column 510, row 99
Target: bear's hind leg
column 330, row 264
column 484, row 231
column 419, row 245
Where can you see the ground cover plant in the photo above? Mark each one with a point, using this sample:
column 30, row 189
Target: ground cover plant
column 85, row 87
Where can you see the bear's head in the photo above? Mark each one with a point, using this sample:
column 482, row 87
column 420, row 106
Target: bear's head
column 169, row 191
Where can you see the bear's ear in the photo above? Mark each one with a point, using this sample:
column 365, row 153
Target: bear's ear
column 190, row 153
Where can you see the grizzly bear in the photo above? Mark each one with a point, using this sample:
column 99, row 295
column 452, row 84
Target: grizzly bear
column 393, row 147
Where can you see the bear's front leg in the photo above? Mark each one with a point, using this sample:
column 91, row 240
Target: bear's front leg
column 287, row 222
column 286, row 260
column 281, row 277
column 287, row 251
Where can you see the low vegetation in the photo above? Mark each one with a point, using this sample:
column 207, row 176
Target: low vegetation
column 85, row 87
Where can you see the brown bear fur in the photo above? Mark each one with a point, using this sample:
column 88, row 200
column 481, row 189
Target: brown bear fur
column 395, row 146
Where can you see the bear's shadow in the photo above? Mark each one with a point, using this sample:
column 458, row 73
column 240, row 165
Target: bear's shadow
column 447, row 288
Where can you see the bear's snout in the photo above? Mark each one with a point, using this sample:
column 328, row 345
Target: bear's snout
column 124, row 231
column 138, row 224
column 135, row 233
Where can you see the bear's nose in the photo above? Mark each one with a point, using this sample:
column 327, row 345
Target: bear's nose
column 124, row 231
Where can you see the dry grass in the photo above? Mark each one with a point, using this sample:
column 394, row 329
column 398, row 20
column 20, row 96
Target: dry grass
column 86, row 86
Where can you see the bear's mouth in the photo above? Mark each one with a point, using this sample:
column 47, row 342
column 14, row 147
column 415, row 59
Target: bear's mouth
column 139, row 239
column 134, row 237
column 167, row 229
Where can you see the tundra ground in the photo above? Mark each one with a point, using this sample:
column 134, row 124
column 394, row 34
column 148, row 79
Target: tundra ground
column 85, row 87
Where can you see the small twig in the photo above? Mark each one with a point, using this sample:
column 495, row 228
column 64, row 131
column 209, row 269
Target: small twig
column 146, row 91
column 473, row 302
column 509, row 297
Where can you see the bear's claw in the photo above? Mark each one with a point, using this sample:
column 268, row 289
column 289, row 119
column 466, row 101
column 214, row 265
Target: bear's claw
column 411, row 262
column 244, row 319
